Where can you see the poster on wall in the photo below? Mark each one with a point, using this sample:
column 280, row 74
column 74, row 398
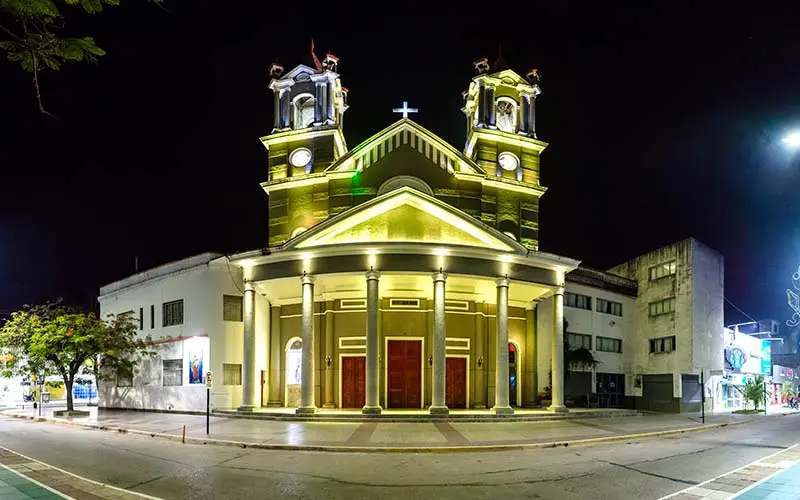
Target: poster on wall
column 196, row 367
column 746, row 354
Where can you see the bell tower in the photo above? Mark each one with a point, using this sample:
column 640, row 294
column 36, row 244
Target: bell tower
column 309, row 104
column 500, row 107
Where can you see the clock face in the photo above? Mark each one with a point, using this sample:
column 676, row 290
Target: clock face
column 300, row 157
column 508, row 161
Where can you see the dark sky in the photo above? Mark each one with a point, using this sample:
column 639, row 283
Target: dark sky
column 663, row 122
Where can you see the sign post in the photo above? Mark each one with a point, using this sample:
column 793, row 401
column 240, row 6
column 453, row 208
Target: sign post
column 702, row 397
column 209, row 385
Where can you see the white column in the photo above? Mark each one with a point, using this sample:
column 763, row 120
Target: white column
column 249, row 349
column 557, row 404
column 307, row 403
column 329, row 352
column 438, row 405
column 372, row 405
column 501, row 406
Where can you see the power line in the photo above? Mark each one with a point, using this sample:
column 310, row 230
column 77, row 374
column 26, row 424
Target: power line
column 740, row 311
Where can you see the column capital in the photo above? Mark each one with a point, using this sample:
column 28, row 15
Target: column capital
column 440, row 276
column 307, row 279
column 533, row 305
column 372, row 275
column 249, row 286
column 559, row 290
column 503, row 282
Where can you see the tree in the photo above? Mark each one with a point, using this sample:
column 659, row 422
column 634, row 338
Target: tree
column 31, row 36
column 754, row 391
column 787, row 390
column 55, row 339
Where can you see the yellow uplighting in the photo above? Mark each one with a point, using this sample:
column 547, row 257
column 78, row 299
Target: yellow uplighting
column 291, row 184
column 415, row 219
column 372, row 258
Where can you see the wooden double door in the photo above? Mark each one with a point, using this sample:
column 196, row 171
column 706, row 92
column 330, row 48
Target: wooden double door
column 455, row 380
column 404, row 374
column 354, row 381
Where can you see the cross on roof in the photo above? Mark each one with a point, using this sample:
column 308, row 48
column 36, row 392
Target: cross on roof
column 405, row 110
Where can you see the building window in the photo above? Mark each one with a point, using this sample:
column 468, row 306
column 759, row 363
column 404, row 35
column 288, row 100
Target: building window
column 353, row 303
column 141, row 318
column 609, row 307
column 663, row 270
column 152, row 316
column 577, row 300
column 664, row 306
column 172, row 313
column 125, row 380
column 231, row 374
column 662, row 344
column 506, row 119
column 456, row 305
column 232, row 308
column 304, row 111
column 607, row 344
column 404, row 303
column 579, row 340
column 173, row 372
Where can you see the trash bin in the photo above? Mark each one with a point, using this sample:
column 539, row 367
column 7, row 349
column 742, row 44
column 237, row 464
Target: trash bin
column 45, row 397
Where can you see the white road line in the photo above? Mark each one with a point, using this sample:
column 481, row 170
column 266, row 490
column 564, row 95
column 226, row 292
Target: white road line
column 754, row 462
column 142, row 495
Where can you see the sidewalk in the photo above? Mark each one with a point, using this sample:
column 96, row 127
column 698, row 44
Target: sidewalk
column 380, row 436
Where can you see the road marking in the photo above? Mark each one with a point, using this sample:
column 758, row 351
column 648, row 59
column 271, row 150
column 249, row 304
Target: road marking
column 759, row 462
column 121, row 490
column 37, row 483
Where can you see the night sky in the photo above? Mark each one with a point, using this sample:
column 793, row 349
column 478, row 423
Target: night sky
column 663, row 122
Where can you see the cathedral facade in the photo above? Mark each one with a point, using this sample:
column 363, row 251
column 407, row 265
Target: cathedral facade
column 403, row 273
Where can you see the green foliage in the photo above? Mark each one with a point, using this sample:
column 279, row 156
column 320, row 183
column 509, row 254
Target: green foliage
column 787, row 390
column 31, row 35
column 754, row 391
column 55, row 339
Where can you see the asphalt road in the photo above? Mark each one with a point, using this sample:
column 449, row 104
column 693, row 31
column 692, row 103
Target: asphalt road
column 646, row 469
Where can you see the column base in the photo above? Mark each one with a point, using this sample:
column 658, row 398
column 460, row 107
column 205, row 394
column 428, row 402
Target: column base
column 329, row 406
column 503, row 410
column 306, row 410
column 247, row 408
column 273, row 404
column 371, row 410
column 558, row 409
column 439, row 410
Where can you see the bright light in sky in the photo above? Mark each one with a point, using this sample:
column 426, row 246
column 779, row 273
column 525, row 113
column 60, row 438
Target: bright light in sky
column 792, row 140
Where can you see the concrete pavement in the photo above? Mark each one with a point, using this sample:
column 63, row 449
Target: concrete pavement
column 402, row 437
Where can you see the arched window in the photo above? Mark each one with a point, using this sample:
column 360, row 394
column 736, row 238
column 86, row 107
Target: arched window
column 304, row 111
column 506, row 114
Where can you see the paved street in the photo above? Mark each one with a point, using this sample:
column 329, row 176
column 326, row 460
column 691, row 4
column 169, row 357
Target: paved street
column 646, row 469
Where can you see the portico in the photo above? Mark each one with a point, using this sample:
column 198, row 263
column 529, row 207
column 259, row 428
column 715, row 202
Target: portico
column 405, row 321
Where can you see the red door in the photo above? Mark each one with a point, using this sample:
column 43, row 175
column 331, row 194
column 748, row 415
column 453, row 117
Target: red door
column 354, row 381
column 456, row 383
column 405, row 374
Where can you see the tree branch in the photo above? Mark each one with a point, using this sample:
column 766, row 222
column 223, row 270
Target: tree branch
column 38, row 90
column 10, row 33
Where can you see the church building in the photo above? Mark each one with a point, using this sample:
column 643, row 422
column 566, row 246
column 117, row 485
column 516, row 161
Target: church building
column 403, row 273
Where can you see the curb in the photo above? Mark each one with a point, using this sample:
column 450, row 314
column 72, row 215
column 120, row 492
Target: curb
column 390, row 449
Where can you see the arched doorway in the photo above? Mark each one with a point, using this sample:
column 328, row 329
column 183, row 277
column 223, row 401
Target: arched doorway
column 294, row 361
column 514, row 370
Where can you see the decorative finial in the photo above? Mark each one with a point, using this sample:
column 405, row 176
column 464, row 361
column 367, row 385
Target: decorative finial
column 275, row 69
column 481, row 66
column 534, row 76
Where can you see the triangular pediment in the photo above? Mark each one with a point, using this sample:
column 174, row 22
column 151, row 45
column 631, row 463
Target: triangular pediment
column 406, row 133
column 405, row 215
column 510, row 77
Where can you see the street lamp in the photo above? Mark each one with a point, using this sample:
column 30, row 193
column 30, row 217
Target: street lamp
column 792, row 140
